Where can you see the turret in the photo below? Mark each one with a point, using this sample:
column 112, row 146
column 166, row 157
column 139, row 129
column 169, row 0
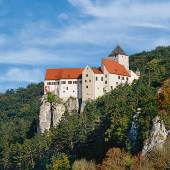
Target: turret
column 120, row 56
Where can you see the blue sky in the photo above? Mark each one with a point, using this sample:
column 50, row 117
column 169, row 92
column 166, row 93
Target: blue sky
column 36, row 34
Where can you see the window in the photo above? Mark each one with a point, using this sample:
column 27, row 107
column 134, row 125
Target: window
column 66, row 88
column 63, row 91
column 123, row 78
column 85, row 81
column 96, row 78
column 106, row 75
column 69, row 82
column 63, row 82
column 101, row 78
column 48, row 83
column 73, row 91
column 87, row 87
column 87, row 75
column 90, row 81
column 105, row 82
column 118, row 77
column 127, row 78
column 116, row 83
column 74, row 82
column 58, row 82
column 111, row 87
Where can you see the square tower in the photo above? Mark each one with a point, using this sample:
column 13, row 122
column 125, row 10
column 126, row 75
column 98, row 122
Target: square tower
column 120, row 56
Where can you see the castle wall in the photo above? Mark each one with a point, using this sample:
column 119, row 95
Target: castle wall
column 88, row 84
column 99, row 85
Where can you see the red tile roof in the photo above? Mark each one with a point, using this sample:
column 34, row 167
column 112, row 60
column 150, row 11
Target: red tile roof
column 97, row 70
column 114, row 67
column 63, row 73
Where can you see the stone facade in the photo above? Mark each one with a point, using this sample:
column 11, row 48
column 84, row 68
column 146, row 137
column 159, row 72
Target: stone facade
column 89, row 83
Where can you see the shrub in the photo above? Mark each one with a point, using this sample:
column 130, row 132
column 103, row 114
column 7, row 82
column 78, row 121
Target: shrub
column 83, row 165
column 60, row 162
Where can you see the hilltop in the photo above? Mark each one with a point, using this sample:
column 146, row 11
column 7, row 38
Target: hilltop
column 104, row 124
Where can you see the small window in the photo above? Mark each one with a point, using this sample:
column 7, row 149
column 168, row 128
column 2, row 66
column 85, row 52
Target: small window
column 87, row 75
column 123, row 78
column 66, row 88
column 69, row 82
column 63, row 82
column 87, row 87
column 111, row 87
column 63, row 91
column 106, row 75
column 96, row 78
column 101, row 78
column 90, row 81
column 105, row 82
column 116, row 83
column 74, row 82
column 118, row 77
column 58, row 82
column 85, row 81
column 73, row 91
column 127, row 78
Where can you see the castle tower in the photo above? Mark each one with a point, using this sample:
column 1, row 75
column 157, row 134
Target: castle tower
column 120, row 56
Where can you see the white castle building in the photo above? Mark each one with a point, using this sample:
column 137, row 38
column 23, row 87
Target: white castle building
column 89, row 83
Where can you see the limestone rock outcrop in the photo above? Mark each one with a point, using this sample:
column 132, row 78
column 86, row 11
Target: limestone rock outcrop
column 158, row 136
column 72, row 104
column 51, row 114
column 44, row 115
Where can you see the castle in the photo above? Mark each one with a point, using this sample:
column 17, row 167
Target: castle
column 89, row 83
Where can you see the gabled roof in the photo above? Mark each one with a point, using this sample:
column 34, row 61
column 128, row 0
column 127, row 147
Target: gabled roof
column 118, row 50
column 97, row 70
column 63, row 73
column 113, row 67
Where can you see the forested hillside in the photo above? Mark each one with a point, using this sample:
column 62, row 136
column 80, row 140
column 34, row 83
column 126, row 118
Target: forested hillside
column 99, row 134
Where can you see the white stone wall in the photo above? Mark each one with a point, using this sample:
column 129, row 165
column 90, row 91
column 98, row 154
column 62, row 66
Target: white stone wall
column 99, row 85
column 51, row 86
column 88, row 84
column 133, row 76
column 124, row 60
column 71, row 88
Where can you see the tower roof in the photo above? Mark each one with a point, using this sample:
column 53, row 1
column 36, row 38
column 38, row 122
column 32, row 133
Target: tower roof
column 118, row 50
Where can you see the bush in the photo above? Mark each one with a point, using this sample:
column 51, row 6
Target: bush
column 60, row 162
column 116, row 159
column 83, row 165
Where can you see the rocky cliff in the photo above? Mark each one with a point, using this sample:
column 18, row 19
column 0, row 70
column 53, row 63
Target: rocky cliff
column 51, row 113
column 157, row 138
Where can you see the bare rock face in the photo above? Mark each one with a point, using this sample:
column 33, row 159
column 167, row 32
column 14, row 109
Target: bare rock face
column 72, row 104
column 58, row 109
column 58, row 112
column 44, row 115
column 157, row 138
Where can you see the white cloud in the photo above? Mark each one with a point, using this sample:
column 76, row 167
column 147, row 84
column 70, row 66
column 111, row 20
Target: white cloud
column 21, row 75
column 109, row 22
column 63, row 16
